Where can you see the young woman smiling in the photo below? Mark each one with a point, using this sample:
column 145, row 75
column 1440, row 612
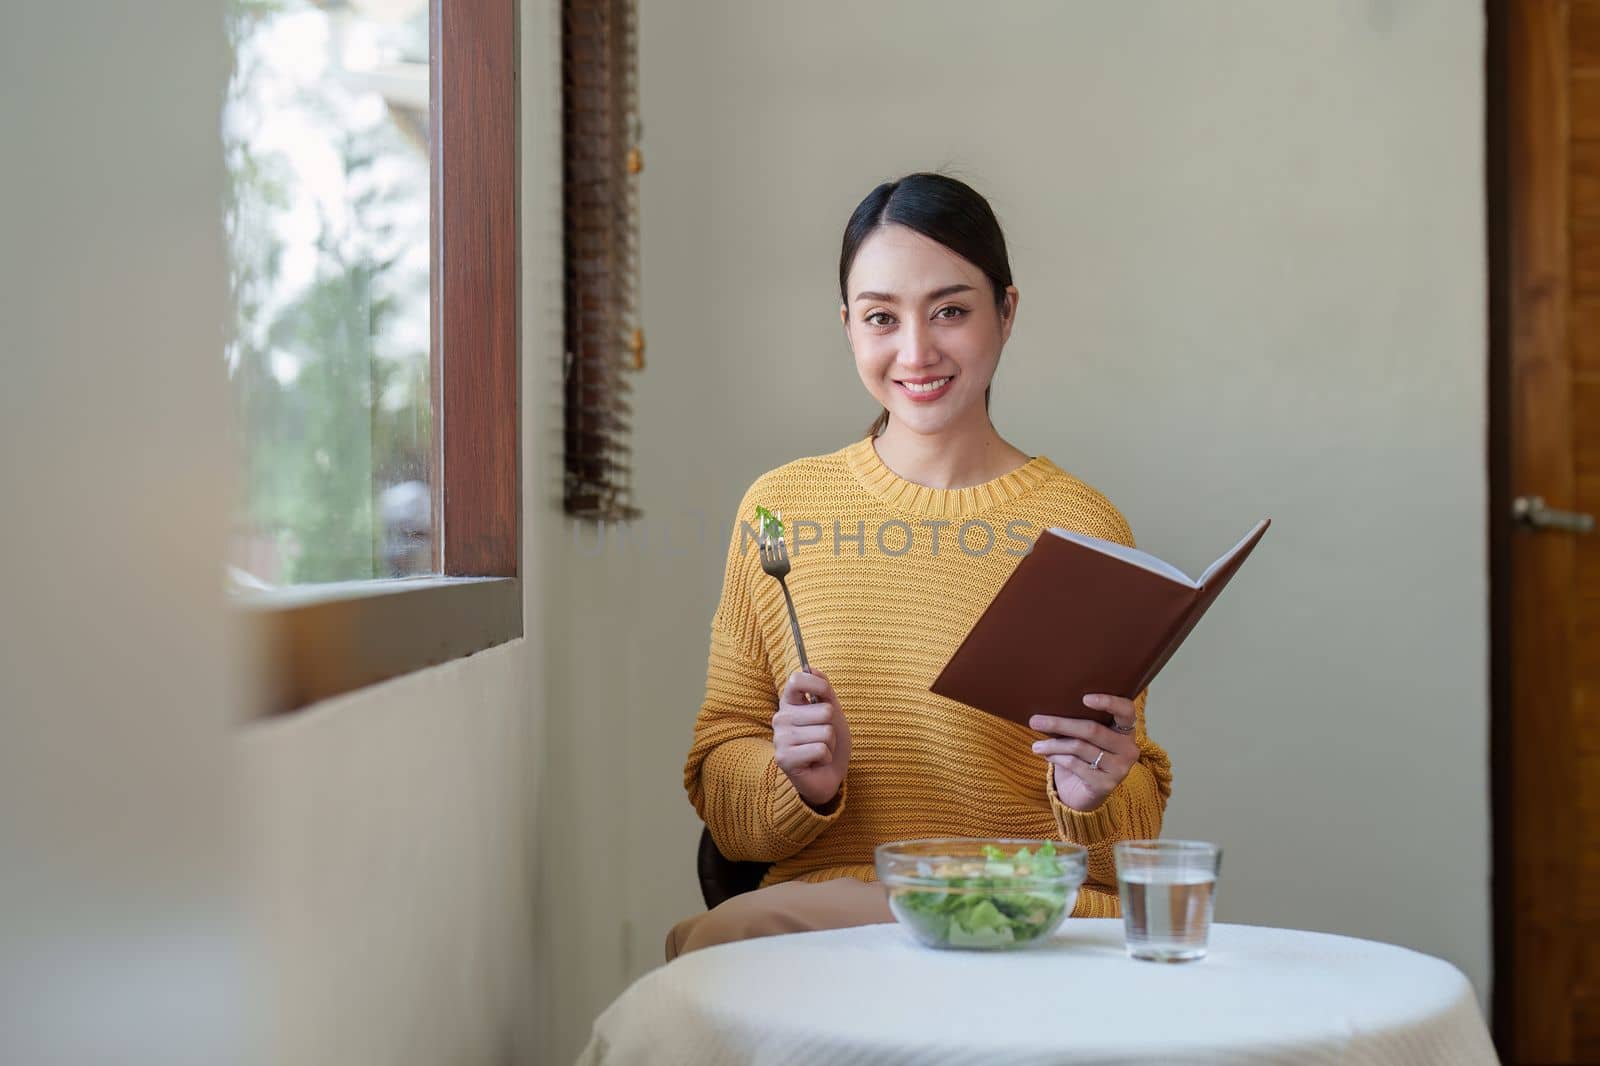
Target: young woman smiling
column 811, row 771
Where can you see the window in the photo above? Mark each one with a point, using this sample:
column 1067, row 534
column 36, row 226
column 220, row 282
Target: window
column 373, row 239
column 326, row 138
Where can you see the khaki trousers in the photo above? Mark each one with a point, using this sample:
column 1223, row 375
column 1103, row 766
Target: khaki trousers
column 787, row 907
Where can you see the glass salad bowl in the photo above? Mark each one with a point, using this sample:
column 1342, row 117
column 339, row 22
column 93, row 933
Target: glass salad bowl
column 965, row 892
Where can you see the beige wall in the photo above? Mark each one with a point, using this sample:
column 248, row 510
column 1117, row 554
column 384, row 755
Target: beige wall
column 1248, row 238
column 389, row 841
column 121, row 931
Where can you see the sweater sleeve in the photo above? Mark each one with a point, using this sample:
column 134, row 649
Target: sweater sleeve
column 752, row 809
column 1132, row 812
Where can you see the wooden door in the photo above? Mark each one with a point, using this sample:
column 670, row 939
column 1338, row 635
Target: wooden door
column 1544, row 195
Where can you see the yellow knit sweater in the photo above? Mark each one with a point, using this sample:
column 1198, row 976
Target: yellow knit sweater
column 887, row 577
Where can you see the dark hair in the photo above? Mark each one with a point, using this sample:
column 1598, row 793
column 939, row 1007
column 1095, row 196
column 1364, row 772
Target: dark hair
column 942, row 209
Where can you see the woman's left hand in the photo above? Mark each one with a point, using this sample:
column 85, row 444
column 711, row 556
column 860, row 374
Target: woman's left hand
column 1090, row 759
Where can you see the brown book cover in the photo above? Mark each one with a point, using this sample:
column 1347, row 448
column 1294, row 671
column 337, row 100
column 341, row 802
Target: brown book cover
column 1080, row 615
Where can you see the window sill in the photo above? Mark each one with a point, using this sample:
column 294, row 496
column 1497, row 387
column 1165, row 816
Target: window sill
column 320, row 641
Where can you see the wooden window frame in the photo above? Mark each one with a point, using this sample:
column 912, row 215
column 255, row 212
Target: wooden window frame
column 319, row 641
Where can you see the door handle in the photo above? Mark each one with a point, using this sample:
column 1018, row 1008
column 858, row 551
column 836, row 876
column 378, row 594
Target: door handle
column 1531, row 512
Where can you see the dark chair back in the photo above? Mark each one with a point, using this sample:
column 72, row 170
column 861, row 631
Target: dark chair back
column 720, row 877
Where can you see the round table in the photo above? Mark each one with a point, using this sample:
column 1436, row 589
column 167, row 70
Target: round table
column 873, row 995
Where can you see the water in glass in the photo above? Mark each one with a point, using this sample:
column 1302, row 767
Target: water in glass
column 1167, row 914
column 1168, row 888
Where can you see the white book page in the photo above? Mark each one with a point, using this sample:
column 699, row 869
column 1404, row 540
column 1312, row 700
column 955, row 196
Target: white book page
column 1229, row 554
column 1143, row 560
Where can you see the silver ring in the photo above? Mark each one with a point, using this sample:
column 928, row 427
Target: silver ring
column 1096, row 764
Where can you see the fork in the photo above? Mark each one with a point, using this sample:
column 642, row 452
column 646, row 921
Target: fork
column 775, row 561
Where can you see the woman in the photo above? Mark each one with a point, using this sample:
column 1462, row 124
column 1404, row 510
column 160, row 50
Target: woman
column 898, row 542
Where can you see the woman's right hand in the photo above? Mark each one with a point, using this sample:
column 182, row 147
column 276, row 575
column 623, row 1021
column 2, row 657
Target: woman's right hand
column 812, row 740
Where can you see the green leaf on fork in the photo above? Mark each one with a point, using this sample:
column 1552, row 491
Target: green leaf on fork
column 767, row 523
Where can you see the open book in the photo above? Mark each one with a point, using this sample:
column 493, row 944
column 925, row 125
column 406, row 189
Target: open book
column 1078, row 615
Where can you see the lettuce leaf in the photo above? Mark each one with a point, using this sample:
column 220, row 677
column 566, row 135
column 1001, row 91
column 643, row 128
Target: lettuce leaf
column 768, row 523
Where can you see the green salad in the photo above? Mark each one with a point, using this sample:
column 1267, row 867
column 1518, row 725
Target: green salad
column 1000, row 901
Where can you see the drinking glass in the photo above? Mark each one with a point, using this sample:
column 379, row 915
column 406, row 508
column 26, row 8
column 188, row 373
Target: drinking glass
column 1167, row 889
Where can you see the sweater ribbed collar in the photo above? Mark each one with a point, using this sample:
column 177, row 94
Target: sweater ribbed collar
column 894, row 490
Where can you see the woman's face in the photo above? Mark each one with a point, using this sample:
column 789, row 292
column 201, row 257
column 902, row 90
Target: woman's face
column 925, row 329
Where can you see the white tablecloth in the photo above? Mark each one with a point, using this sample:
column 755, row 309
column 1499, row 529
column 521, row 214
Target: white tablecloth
column 872, row 995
